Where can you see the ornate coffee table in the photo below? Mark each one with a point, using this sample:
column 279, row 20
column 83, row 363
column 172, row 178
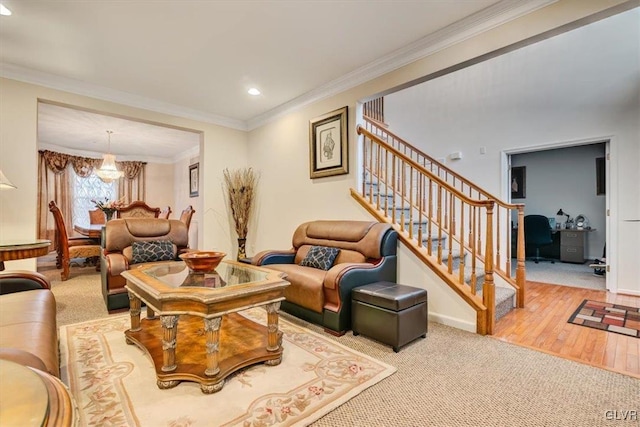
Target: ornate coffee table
column 212, row 340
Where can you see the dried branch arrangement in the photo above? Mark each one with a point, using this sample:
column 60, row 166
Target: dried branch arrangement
column 241, row 187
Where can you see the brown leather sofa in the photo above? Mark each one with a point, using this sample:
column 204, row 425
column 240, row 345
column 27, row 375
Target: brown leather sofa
column 118, row 237
column 28, row 329
column 367, row 254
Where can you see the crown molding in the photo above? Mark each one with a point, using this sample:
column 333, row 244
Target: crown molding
column 78, row 87
column 484, row 20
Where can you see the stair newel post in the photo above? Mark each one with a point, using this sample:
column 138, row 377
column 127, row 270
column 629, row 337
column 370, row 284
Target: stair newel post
column 411, row 190
column 393, row 182
column 452, row 232
column 521, row 278
column 488, row 289
column 472, row 243
column 371, row 176
column 430, row 214
column 420, row 207
column 462, row 257
column 403, row 193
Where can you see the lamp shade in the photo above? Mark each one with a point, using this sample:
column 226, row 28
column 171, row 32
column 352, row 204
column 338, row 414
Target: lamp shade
column 5, row 184
column 108, row 171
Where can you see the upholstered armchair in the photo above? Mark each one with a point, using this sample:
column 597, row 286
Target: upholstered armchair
column 366, row 253
column 120, row 237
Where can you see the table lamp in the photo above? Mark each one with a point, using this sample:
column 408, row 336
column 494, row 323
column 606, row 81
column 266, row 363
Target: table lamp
column 560, row 214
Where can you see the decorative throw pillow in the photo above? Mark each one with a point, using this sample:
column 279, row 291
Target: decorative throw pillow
column 320, row 257
column 160, row 250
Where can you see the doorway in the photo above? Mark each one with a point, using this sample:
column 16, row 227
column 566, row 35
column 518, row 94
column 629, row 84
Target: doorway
column 566, row 182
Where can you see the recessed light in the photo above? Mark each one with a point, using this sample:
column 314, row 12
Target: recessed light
column 253, row 91
column 4, row 11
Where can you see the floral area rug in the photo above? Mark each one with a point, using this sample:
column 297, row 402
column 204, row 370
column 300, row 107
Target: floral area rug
column 607, row 316
column 114, row 384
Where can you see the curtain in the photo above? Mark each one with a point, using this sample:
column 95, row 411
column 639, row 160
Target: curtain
column 55, row 183
column 132, row 185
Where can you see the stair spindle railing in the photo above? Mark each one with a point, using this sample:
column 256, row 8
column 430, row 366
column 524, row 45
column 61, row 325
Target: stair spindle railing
column 413, row 187
column 502, row 221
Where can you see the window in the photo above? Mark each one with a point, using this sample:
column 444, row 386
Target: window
column 85, row 190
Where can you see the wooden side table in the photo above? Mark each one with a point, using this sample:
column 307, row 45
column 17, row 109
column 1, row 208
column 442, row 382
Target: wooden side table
column 11, row 250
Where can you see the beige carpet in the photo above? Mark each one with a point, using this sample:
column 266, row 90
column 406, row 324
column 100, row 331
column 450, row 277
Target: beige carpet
column 114, row 383
column 451, row 378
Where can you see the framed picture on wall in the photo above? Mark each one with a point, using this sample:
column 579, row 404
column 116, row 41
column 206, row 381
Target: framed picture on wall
column 328, row 145
column 518, row 182
column 194, row 179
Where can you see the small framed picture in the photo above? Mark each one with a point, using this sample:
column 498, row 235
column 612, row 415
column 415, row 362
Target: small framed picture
column 194, row 179
column 328, row 145
column 518, row 182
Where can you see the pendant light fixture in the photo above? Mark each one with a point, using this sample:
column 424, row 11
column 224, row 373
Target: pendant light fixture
column 108, row 171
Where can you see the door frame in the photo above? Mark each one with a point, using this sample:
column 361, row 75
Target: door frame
column 611, row 195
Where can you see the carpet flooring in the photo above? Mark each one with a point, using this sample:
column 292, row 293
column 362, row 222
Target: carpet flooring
column 609, row 317
column 451, row 378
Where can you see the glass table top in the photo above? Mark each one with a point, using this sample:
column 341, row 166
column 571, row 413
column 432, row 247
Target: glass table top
column 176, row 274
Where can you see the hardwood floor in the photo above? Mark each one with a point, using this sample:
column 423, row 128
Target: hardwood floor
column 542, row 325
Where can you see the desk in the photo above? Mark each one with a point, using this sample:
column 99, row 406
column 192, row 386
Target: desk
column 94, row 231
column 11, row 250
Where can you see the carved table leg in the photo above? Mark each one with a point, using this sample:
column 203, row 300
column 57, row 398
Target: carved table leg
column 134, row 312
column 212, row 330
column 169, row 329
column 273, row 338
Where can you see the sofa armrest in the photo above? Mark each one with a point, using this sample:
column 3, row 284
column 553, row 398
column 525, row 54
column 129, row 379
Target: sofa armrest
column 23, row 358
column 116, row 263
column 22, row 280
column 342, row 278
column 274, row 257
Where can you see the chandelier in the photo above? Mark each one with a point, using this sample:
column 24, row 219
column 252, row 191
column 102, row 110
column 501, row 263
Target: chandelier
column 108, row 171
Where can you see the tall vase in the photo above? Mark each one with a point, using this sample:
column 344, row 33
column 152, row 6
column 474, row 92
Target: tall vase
column 241, row 248
column 109, row 215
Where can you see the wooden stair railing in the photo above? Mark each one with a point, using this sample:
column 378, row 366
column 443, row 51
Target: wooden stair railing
column 505, row 213
column 427, row 211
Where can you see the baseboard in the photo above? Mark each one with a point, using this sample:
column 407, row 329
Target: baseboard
column 631, row 292
column 453, row 322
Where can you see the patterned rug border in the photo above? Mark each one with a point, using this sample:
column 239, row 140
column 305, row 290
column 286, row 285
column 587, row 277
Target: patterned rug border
column 593, row 317
column 73, row 376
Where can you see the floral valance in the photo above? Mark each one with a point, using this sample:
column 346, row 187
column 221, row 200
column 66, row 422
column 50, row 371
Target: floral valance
column 83, row 166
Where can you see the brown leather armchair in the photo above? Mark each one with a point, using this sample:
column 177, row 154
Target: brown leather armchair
column 118, row 237
column 367, row 254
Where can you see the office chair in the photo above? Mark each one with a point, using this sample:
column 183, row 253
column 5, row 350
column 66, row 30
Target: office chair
column 537, row 233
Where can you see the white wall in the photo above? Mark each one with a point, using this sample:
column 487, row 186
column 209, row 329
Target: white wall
column 566, row 178
column 182, row 198
column 503, row 106
column 159, row 185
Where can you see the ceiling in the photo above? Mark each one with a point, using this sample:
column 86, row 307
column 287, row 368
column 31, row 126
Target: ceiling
column 196, row 59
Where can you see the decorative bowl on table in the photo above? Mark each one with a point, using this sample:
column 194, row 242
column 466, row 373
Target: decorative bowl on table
column 202, row 261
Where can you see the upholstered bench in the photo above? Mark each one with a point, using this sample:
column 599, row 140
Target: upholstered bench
column 390, row 313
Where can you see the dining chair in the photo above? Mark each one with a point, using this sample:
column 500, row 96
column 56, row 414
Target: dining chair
column 138, row 209
column 67, row 247
column 165, row 213
column 97, row 216
column 186, row 215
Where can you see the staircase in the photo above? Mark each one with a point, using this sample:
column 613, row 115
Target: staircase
column 458, row 230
